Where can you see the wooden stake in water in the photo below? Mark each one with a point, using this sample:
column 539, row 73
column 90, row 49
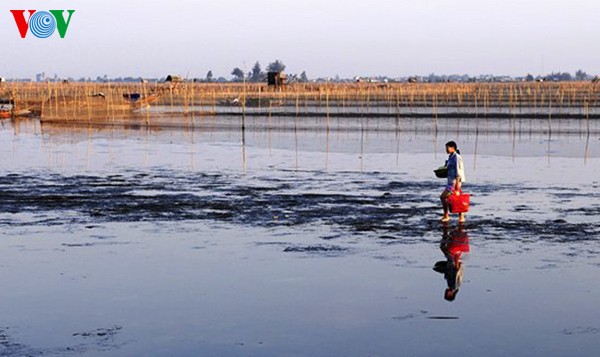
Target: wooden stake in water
column 327, row 104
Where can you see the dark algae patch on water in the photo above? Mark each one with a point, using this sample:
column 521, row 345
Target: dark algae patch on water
column 96, row 341
column 379, row 206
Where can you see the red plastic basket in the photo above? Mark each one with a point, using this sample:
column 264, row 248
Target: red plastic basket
column 459, row 202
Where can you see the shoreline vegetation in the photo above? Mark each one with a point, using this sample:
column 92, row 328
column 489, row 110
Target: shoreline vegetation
column 147, row 103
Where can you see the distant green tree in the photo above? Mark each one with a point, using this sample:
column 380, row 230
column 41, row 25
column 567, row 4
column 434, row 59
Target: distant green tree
column 276, row 66
column 581, row 76
column 237, row 74
column 256, row 75
column 558, row 77
column 303, row 77
column 209, row 76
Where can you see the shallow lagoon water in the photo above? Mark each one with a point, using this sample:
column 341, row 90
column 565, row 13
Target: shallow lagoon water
column 123, row 242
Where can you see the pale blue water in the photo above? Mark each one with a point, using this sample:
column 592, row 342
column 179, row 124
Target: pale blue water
column 298, row 243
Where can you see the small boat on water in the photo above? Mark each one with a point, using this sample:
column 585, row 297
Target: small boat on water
column 230, row 102
column 137, row 100
column 96, row 106
column 251, row 102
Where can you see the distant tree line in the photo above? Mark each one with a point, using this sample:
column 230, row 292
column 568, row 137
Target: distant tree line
column 580, row 75
column 256, row 74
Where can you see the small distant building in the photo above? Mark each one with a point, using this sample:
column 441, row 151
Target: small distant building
column 173, row 78
column 276, row 78
column 40, row 77
column 2, row 79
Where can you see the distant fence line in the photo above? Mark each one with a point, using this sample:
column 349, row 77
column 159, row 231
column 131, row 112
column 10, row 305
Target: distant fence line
column 97, row 102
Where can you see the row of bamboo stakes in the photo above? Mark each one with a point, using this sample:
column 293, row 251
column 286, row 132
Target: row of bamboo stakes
column 79, row 100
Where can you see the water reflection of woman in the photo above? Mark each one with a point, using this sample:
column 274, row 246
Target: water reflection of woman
column 453, row 245
column 456, row 176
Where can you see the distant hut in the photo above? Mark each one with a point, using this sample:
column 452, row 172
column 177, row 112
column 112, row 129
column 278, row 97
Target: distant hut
column 412, row 80
column 276, row 78
column 596, row 80
column 173, row 78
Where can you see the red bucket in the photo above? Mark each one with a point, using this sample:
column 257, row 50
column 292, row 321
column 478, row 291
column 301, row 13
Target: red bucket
column 459, row 202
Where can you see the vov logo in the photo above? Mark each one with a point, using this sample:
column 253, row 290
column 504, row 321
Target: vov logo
column 42, row 24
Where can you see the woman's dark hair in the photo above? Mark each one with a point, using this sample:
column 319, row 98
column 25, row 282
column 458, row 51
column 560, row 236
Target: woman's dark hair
column 452, row 144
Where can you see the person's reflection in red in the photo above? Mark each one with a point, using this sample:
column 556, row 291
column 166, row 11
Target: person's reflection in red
column 454, row 243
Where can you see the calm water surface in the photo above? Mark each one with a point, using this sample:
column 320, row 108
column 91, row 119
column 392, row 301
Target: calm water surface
column 297, row 241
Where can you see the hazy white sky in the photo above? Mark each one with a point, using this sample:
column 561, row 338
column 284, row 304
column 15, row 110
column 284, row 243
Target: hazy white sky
column 324, row 37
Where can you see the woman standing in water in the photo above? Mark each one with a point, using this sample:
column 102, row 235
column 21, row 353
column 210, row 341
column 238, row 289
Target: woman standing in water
column 456, row 176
